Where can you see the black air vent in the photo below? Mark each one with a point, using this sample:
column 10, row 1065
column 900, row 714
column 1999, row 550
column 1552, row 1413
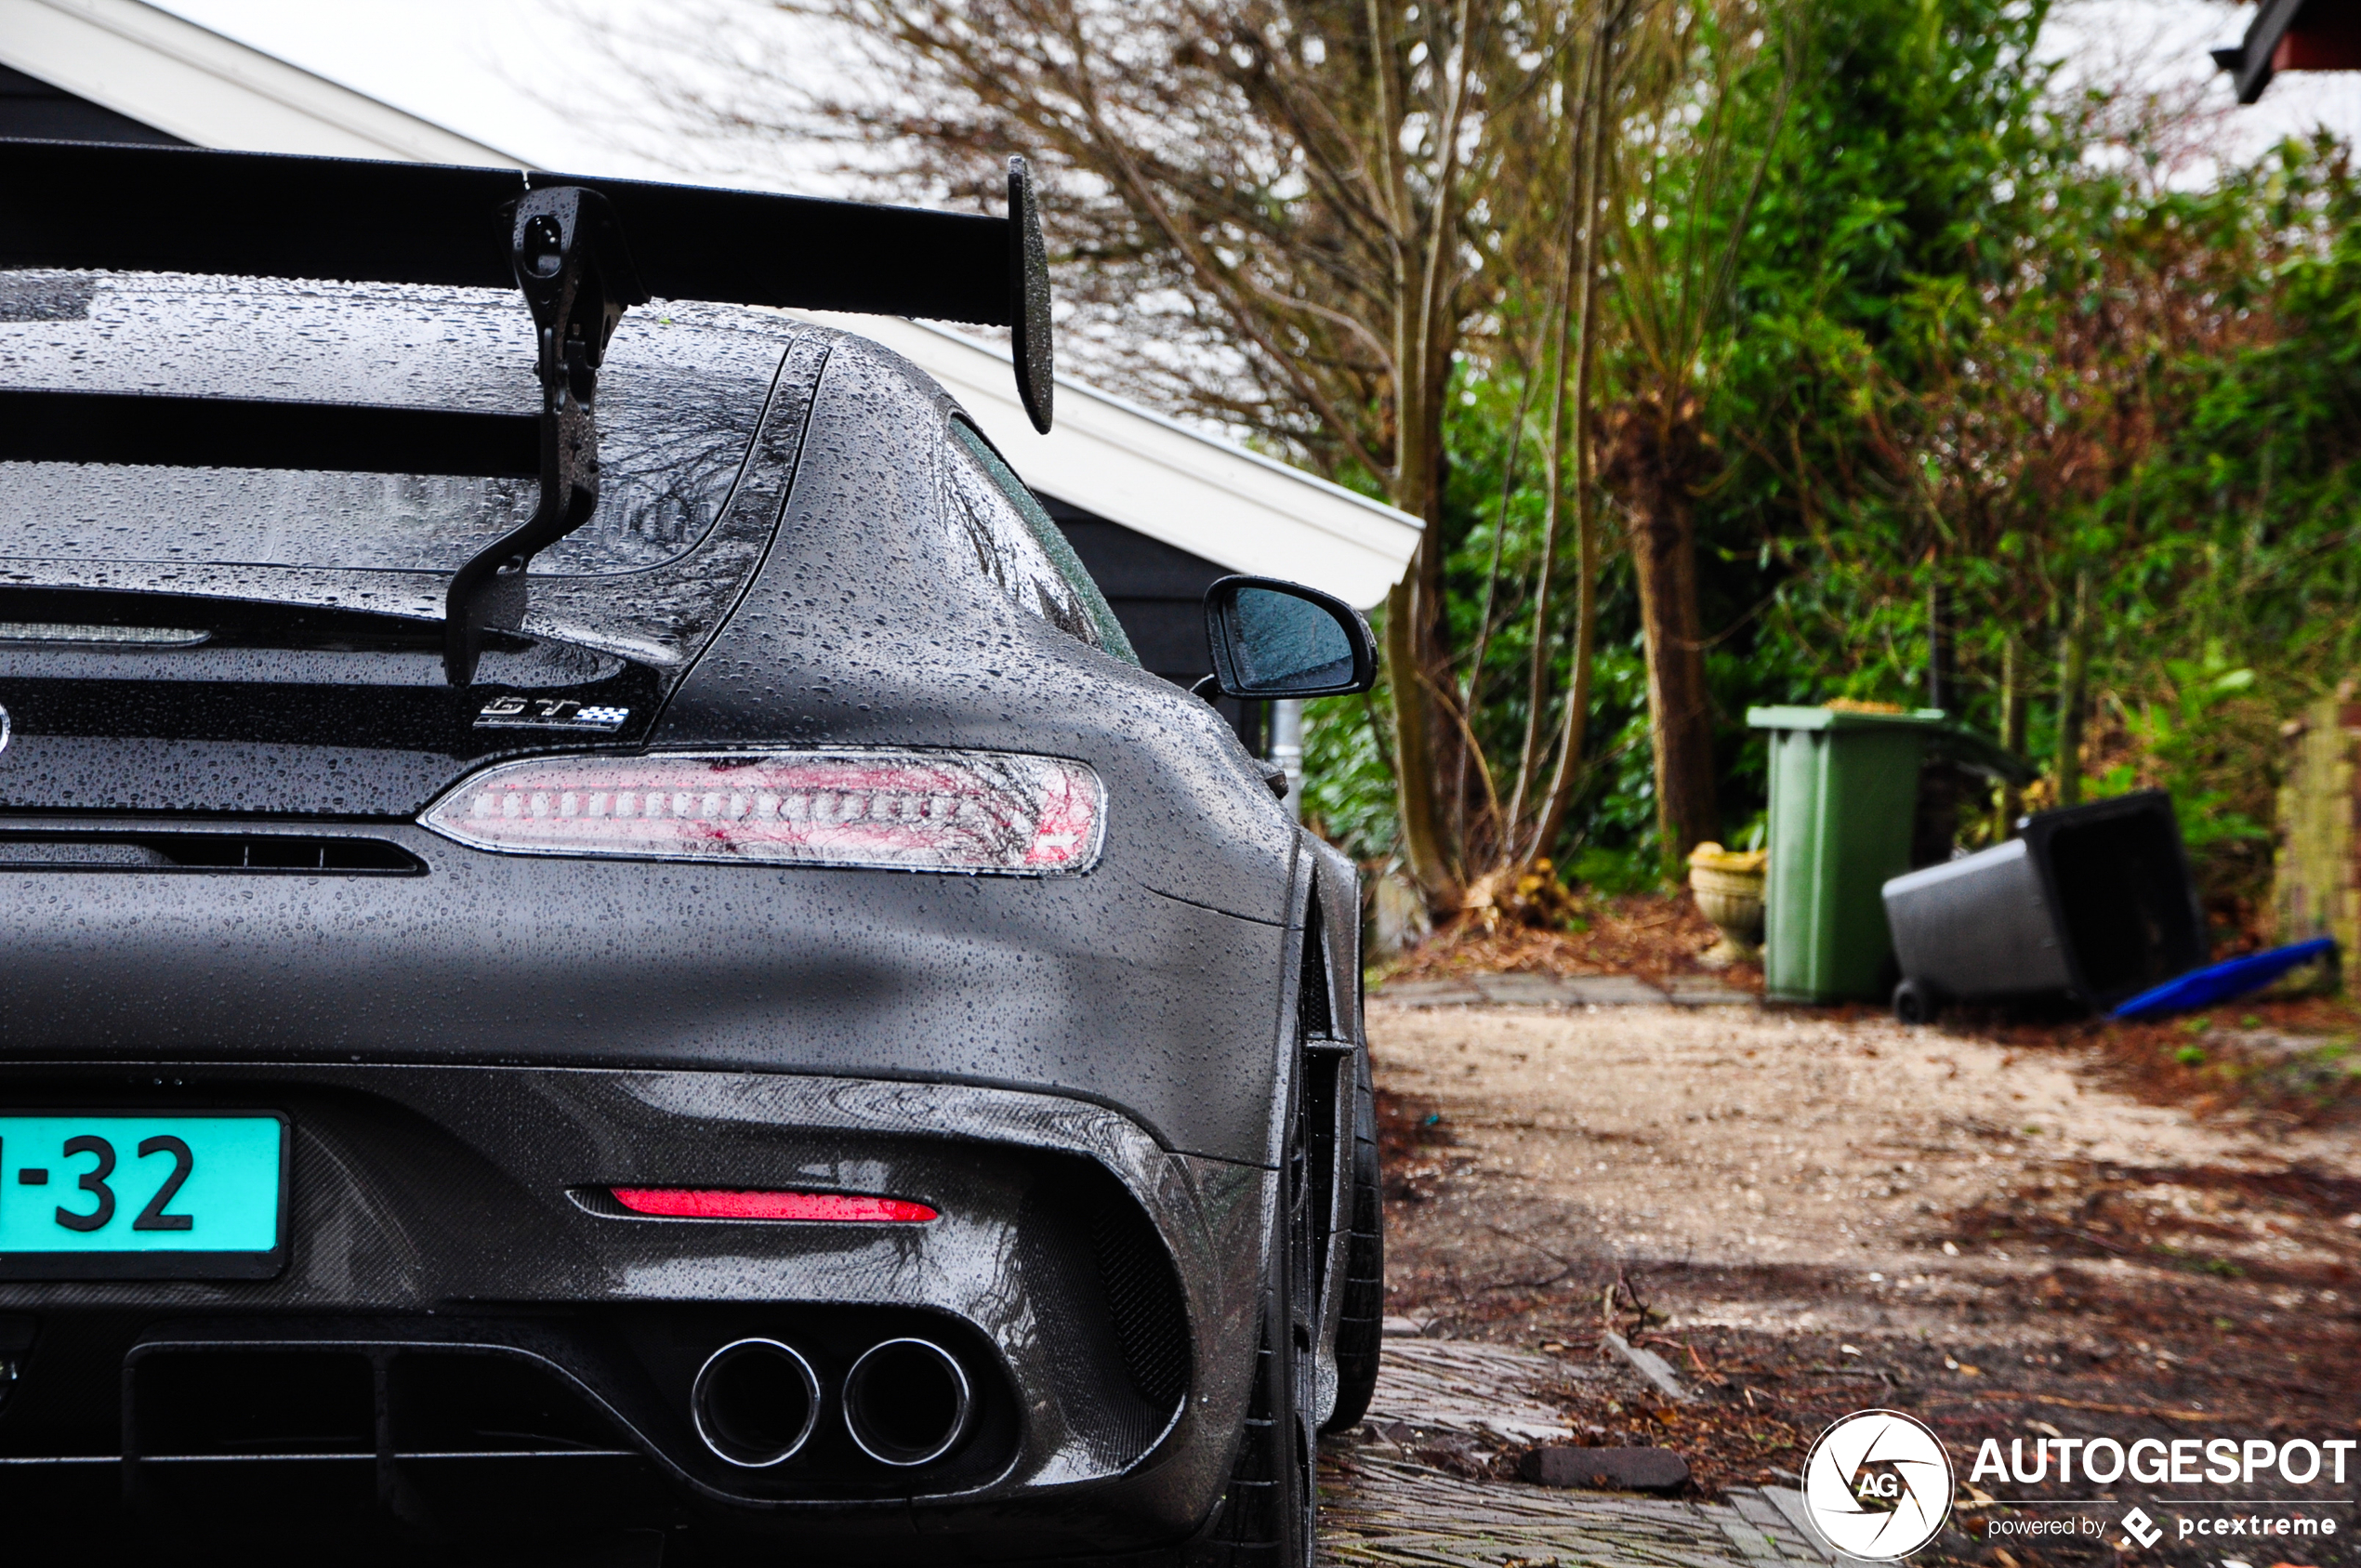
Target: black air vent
column 1145, row 1300
column 283, row 852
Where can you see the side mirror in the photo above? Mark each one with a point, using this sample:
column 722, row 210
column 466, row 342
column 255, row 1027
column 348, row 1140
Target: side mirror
column 1272, row 639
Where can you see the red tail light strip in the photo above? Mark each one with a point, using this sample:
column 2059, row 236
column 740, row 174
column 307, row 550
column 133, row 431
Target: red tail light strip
column 715, row 1202
column 914, row 810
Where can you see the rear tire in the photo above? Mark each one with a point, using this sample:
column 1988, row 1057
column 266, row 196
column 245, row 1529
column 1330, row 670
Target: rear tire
column 1361, row 1321
column 1915, row 1002
column 1267, row 1516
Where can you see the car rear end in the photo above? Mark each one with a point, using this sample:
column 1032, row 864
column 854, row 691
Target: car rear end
column 771, row 1045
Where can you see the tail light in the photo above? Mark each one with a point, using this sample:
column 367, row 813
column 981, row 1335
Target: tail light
column 914, row 810
column 721, row 1203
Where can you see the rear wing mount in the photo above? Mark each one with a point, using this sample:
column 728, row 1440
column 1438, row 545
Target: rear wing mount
column 569, row 257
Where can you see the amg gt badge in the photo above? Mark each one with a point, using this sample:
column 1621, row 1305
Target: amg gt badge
column 549, row 713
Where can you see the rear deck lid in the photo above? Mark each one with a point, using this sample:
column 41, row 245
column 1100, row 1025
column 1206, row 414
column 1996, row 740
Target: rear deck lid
column 253, row 639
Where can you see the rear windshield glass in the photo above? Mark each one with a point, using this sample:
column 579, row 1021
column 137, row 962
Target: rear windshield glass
column 679, row 402
column 1019, row 549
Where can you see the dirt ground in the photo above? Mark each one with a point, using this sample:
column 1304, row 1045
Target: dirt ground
column 1655, row 936
column 2011, row 1232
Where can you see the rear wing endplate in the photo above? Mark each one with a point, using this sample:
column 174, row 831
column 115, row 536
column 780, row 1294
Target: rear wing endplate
column 583, row 251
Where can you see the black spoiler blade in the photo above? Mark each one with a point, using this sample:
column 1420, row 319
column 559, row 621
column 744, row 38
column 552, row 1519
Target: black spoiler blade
column 168, row 209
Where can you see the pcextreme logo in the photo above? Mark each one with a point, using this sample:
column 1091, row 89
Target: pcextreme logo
column 1877, row 1485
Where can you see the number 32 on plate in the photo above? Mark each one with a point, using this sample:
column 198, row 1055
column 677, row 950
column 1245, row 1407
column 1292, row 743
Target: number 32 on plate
column 118, row 1184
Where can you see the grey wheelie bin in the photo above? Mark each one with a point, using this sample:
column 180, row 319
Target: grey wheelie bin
column 2092, row 903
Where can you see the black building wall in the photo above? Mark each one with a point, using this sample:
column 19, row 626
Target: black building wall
column 1158, row 591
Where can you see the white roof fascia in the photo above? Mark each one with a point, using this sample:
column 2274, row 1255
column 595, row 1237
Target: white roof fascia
column 203, row 87
column 1197, row 492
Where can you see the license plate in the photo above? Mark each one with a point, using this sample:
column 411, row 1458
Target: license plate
column 111, row 1196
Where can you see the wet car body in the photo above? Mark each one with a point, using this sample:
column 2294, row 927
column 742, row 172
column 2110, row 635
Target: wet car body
column 227, row 892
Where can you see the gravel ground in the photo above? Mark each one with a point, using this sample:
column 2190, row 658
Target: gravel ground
column 1809, row 1214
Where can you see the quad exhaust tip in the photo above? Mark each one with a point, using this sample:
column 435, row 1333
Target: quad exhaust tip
column 755, row 1403
column 906, row 1403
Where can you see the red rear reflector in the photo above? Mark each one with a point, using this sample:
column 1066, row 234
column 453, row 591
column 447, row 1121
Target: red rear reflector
column 715, row 1202
column 911, row 810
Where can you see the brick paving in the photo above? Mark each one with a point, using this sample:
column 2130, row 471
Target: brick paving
column 1563, row 991
column 1380, row 1505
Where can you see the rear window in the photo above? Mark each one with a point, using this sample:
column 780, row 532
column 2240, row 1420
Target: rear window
column 1019, row 549
column 679, row 403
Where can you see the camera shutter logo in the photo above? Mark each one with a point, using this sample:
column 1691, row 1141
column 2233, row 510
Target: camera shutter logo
column 1878, row 1485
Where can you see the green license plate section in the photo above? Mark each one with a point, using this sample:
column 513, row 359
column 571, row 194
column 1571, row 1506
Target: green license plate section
column 106, row 1197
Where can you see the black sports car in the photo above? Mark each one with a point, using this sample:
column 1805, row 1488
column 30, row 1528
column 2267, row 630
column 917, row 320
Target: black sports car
column 605, row 947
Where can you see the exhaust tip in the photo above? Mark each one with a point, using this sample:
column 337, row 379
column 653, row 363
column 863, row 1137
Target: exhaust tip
column 906, row 1403
column 755, row 1403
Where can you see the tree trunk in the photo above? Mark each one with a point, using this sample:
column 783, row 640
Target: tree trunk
column 1574, row 731
column 1413, row 747
column 1657, row 452
column 2015, row 679
column 2073, row 669
column 1939, row 655
column 1680, row 709
column 1417, row 664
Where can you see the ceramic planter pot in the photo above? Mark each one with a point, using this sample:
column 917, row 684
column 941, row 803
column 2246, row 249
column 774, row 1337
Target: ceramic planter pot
column 1728, row 889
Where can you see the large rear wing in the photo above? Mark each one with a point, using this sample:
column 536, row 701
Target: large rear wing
column 581, row 250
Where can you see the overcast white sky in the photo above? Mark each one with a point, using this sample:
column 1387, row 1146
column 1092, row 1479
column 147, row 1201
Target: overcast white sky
column 464, row 64
column 496, row 71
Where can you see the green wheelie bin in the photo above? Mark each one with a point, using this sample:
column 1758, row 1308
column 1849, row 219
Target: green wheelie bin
column 1844, row 794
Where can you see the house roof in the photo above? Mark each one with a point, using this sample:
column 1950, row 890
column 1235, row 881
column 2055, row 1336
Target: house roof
column 1196, row 492
column 213, row 91
column 2292, row 35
